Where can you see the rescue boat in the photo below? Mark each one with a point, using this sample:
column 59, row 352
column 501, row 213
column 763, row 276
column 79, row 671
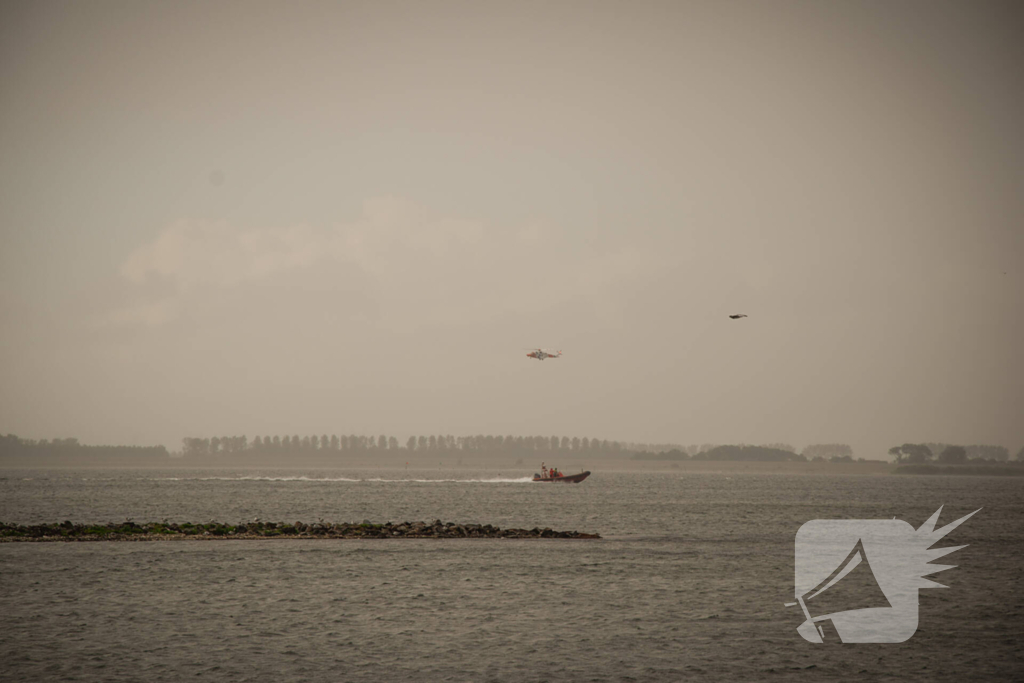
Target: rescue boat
column 555, row 475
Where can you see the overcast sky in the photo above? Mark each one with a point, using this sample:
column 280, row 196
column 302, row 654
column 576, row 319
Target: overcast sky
column 352, row 218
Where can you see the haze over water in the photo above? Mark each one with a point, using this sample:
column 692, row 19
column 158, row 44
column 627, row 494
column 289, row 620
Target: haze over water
column 250, row 217
column 688, row 582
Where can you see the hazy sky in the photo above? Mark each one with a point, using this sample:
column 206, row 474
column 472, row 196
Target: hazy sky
column 351, row 218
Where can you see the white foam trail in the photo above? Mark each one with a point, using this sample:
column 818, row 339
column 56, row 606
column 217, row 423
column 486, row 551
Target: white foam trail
column 255, row 479
column 496, row 480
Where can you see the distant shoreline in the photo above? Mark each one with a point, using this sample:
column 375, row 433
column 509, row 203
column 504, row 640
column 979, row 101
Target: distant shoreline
column 1000, row 470
column 449, row 466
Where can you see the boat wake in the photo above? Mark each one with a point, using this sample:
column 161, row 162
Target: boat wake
column 492, row 480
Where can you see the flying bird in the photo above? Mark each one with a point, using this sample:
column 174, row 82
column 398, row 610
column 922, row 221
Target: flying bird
column 541, row 354
column 738, row 315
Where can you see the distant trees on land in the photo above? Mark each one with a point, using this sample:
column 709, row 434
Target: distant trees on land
column 13, row 446
column 781, row 447
column 657, row 447
column 751, row 453
column 546, row 446
column 691, row 451
column 919, row 453
column 911, row 453
column 997, row 453
column 953, row 455
column 414, row 445
column 674, row 454
column 838, row 452
column 515, row 446
column 976, row 452
column 768, row 453
column 218, row 444
column 765, row 453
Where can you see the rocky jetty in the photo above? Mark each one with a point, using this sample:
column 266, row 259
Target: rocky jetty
column 158, row 531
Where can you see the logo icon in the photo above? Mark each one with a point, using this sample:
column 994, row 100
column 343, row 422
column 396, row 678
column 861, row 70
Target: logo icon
column 861, row 577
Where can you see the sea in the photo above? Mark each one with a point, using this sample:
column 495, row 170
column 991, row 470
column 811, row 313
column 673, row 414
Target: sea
column 689, row 581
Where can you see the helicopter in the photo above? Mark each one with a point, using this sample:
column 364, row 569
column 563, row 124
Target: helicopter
column 541, row 354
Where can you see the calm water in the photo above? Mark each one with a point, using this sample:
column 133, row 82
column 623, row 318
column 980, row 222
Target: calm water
column 688, row 583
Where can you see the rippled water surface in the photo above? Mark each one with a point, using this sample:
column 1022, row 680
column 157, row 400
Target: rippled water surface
column 688, row 582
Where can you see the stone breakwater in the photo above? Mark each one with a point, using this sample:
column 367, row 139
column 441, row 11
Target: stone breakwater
column 159, row 531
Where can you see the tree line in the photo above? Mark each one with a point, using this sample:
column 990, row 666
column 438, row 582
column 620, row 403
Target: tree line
column 775, row 452
column 14, row 446
column 766, row 453
column 421, row 445
column 725, row 453
column 559, row 445
column 908, row 453
column 919, row 453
